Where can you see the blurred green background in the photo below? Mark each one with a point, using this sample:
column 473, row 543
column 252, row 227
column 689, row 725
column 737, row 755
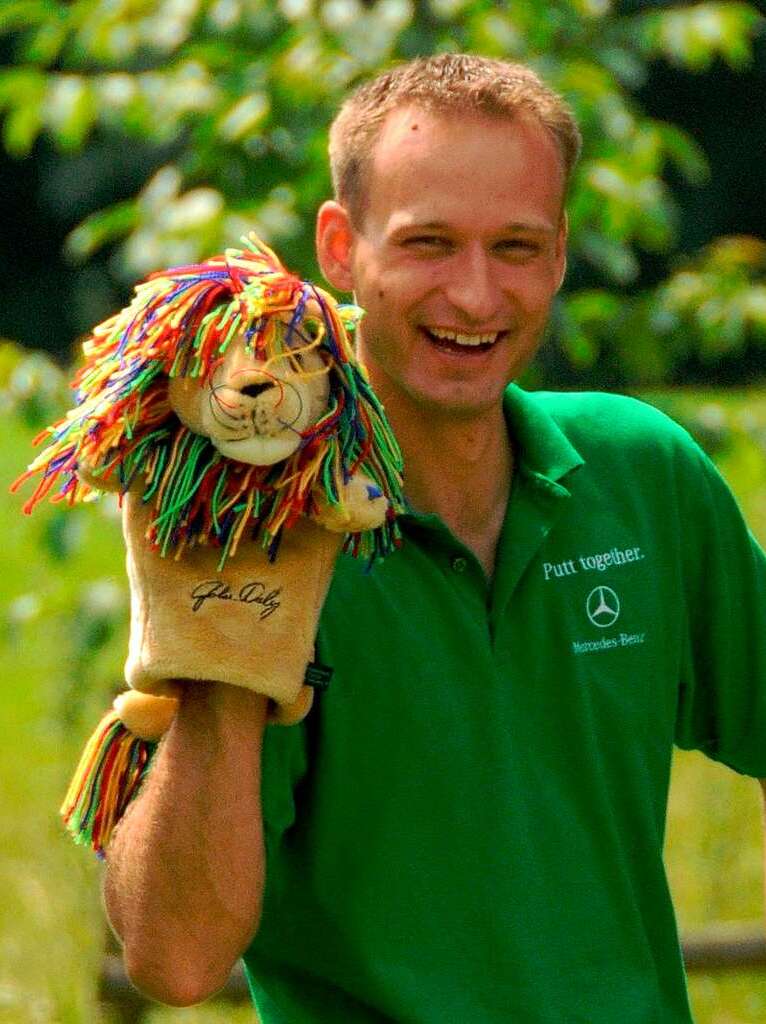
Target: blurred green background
column 139, row 134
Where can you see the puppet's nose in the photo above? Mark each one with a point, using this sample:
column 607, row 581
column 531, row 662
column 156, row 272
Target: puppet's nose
column 253, row 390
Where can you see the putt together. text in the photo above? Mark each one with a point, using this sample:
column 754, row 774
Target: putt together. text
column 588, row 563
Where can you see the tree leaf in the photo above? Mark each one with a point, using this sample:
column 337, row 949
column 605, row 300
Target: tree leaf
column 99, row 229
column 69, row 110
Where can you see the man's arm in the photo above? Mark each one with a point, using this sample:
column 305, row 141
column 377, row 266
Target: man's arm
column 185, row 869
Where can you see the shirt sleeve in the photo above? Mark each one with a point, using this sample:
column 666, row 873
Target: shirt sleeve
column 283, row 765
column 722, row 696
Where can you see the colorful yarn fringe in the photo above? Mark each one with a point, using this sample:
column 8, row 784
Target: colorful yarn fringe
column 111, row 769
column 180, row 323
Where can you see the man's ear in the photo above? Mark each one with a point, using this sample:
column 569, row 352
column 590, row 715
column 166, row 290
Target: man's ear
column 334, row 237
column 561, row 247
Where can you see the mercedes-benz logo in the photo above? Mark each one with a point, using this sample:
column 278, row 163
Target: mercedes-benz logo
column 603, row 607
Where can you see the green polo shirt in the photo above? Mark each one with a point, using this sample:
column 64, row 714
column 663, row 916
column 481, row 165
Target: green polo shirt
column 468, row 827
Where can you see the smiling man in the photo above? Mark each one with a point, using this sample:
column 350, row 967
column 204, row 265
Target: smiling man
column 468, row 826
column 455, row 249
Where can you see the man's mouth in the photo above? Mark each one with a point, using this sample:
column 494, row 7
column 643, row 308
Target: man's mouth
column 454, row 341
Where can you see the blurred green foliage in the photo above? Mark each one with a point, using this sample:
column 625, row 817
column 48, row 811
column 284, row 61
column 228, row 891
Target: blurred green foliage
column 63, row 631
column 90, row 612
column 240, row 92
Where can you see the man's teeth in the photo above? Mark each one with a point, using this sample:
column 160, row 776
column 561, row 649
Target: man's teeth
column 464, row 339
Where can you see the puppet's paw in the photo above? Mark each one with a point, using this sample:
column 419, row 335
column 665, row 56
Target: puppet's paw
column 146, row 715
column 363, row 506
column 289, row 714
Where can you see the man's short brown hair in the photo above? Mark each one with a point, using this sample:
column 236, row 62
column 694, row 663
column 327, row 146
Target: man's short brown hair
column 449, row 83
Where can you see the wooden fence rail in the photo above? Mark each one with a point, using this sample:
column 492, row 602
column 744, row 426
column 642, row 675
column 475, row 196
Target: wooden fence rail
column 726, row 947
column 719, row 948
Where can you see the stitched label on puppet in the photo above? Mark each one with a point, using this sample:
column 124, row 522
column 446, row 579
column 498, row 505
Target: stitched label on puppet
column 254, row 592
column 317, row 675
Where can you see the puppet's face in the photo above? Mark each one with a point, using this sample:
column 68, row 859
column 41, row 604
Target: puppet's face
column 254, row 410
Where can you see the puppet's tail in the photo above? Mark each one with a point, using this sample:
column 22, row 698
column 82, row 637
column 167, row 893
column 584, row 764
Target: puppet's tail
column 113, row 765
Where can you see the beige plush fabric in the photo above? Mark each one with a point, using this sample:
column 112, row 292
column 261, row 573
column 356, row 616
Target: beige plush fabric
column 251, row 624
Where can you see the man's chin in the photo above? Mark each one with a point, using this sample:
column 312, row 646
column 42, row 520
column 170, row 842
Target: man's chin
column 458, row 406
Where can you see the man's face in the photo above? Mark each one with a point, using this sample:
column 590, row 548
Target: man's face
column 459, row 254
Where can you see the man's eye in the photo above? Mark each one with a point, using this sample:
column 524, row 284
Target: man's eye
column 426, row 242
column 518, row 247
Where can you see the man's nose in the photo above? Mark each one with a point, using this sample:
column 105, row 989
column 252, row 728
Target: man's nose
column 473, row 286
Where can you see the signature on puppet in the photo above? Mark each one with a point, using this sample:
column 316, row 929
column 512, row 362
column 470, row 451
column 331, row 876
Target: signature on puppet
column 250, row 593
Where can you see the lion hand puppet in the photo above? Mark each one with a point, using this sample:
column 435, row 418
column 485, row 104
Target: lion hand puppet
column 226, row 407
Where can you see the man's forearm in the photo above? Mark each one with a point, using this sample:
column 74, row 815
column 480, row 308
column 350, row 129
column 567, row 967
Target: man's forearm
column 185, row 869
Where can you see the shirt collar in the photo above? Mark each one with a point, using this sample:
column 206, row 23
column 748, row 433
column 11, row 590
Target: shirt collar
column 541, row 448
column 540, row 445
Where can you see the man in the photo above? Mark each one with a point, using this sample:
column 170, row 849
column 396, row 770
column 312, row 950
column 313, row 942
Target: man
column 468, row 826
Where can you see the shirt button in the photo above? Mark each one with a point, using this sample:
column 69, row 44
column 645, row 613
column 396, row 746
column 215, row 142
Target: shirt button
column 459, row 564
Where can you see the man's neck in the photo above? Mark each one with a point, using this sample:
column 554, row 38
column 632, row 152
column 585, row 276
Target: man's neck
column 461, row 469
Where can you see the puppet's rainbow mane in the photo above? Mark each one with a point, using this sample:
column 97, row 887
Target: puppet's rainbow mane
column 180, row 323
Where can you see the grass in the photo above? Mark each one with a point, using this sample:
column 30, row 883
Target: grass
column 62, row 634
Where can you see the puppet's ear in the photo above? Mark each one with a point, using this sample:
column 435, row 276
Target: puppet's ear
column 334, row 239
